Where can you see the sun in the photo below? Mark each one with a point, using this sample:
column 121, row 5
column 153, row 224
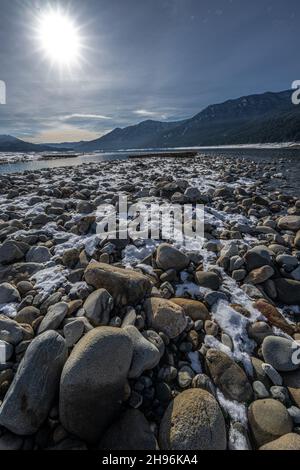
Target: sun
column 59, row 37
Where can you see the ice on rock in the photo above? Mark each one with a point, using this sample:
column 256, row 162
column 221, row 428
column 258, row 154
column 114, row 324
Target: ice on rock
column 237, row 440
column 214, row 343
column 235, row 325
column 50, row 279
column 133, row 255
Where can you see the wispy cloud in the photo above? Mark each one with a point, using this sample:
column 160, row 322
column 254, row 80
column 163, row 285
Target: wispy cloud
column 84, row 116
column 146, row 113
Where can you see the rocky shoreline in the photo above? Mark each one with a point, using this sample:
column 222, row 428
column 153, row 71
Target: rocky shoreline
column 127, row 345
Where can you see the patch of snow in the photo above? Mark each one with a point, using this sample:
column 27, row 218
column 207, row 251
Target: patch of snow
column 9, row 310
column 236, row 411
column 50, row 279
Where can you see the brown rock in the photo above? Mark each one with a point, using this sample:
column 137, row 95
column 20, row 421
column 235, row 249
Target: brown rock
column 289, row 222
column 193, row 421
column 259, row 275
column 290, row 441
column 125, row 285
column 268, row 420
column 193, row 308
column 228, row 376
column 274, row 316
column 165, row 316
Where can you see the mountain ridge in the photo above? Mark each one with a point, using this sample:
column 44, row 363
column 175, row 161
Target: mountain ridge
column 9, row 143
column 269, row 117
column 260, row 118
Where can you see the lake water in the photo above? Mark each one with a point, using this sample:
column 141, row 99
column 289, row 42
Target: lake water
column 287, row 161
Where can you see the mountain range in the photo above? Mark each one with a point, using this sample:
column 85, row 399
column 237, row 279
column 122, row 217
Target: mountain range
column 263, row 118
column 9, row 143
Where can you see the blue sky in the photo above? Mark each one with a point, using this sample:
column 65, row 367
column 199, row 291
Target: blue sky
column 142, row 59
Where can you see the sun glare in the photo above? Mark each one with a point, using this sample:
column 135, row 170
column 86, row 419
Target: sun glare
column 59, row 37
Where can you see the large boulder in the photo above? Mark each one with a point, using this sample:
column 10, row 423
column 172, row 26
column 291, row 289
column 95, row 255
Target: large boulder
column 168, row 257
column 130, row 432
column 125, row 285
column 281, row 353
column 192, row 308
column 288, row 291
column 93, row 382
column 165, row 316
column 268, row 420
column 228, row 376
column 30, row 396
column 193, row 421
column 98, row 306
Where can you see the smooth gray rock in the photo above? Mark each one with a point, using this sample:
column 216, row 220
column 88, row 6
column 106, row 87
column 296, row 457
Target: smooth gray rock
column 260, row 390
column 272, row 374
column 30, row 396
column 288, row 291
column 73, row 331
column 287, row 260
column 10, row 252
column 259, row 331
column 209, row 280
column 55, row 315
column 257, row 257
column 155, row 339
column 10, row 330
column 38, row 254
column 169, row 257
column 93, row 382
column 294, row 413
column 145, row 355
column 280, row 353
column 98, row 306
column 8, row 294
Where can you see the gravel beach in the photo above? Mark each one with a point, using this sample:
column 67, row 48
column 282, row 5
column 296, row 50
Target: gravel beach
column 147, row 344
